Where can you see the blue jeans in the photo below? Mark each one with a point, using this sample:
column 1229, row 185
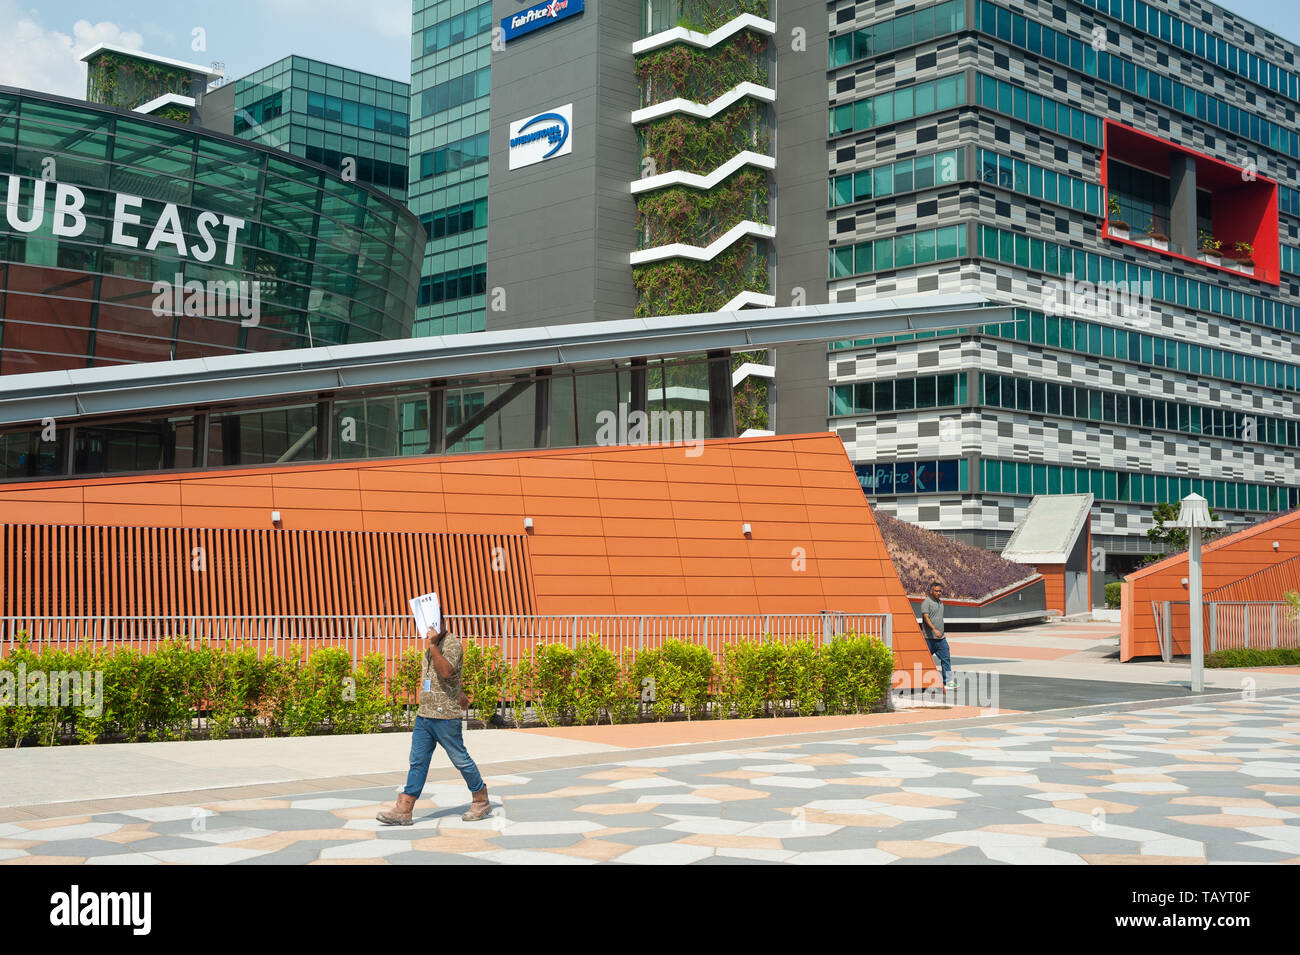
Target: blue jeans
column 424, row 740
column 938, row 647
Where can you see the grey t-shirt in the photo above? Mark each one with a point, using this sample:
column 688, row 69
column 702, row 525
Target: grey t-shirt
column 935, row 609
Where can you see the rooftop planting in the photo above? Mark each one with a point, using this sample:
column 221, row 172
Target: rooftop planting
column 967, row 573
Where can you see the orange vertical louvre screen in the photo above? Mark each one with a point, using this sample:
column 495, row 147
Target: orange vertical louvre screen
column 154, row 572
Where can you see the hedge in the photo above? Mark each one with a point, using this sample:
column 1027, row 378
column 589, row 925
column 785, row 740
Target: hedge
column 181, row 692
column 1253, row 658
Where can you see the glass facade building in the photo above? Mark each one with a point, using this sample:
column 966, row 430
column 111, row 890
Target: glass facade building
column 1094, row 147
column 327, row 114
column 127, row 238
column 451, row 45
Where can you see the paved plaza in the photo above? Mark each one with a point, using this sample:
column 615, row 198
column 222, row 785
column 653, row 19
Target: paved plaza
column 1209, row 782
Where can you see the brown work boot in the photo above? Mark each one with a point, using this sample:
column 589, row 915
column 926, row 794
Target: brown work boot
column 399, row 815
column 480, row 808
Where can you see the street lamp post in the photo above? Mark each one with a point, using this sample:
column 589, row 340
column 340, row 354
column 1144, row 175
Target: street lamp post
column 1194, row 515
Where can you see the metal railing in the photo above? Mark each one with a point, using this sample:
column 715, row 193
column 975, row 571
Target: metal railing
column 1228, row 625
column 517, row 636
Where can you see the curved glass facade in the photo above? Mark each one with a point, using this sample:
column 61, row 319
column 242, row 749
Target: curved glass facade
column 154, row 241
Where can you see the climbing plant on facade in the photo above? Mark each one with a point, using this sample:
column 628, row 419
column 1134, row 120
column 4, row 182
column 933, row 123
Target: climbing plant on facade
column 687, row 144
column 684, row 286
column 703, row 75
column 696, row 216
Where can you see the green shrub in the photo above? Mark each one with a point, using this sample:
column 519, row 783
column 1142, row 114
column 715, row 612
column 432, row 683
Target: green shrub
column 520, row 685
column 857, row 673
column 1281, row 657
column 803, row 677
column 682, row 679
column 740, row 689
column 403, row 688
column 161, row 695
column 595, row 682
column 1113, row 595
column 483, row 677
column 625, row 705
column 553, row 683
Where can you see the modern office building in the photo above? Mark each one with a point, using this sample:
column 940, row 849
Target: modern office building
column 450, row 78
column 1067, row 158
column 352, row 122
column 587, row 163
column 1099, row 146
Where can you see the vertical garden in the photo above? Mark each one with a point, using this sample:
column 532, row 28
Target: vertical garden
column 699, row 139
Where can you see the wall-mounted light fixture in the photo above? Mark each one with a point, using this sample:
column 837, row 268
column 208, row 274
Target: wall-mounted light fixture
column 275, row 517
column 746, row 530
column 528, row 523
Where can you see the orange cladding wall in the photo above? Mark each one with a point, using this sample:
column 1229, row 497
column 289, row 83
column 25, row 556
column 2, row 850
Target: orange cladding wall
column 1224, row 561
column 615, row 530
column 1053, row 586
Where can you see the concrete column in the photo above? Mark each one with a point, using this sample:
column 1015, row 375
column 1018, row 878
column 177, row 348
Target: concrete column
column 1182, row 204
column 721, row 407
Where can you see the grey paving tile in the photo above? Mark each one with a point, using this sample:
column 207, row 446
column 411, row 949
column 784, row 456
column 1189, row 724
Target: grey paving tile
column 80, row 847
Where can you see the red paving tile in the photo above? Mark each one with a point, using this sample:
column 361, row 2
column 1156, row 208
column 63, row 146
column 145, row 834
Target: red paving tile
column 636, row 735
column 964, row 649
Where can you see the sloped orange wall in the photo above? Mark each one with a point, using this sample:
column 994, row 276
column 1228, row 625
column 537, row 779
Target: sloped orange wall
column 1223, row 561
column 615, row 530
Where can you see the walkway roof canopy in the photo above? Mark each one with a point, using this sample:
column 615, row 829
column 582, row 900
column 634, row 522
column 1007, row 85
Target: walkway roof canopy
column 151, row 385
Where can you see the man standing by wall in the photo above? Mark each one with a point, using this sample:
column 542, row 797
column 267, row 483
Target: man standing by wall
column 935, row 637
column 442, row 707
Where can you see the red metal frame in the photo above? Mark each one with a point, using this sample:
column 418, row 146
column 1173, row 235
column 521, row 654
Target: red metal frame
column 1250, row 214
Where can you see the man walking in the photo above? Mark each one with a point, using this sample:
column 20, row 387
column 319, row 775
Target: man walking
column 442, row 707
column 935, row 639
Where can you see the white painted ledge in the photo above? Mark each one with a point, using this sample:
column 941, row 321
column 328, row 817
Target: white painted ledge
column 704, row 110
column 749, row 299
column 167, row 99
column 705, row 40
column 680, row 250
column 696, row 181
column 752, row 369
column 758, row 433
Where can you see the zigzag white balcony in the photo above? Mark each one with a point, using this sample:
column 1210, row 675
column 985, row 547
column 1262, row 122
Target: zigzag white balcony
column 680, row 250
column 702, row 110
column 752, row 369
column 749, row 299
column 705, row 40
column 696, row 181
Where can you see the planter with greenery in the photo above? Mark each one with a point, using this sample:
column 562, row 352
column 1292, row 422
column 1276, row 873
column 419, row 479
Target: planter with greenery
column 1154, row 237
column 1209, row 248
column 697, row 217
column 699, row 75
column 1241, row 256
column 684, row 286
column 688, row 144
column 179, row 691
column 1253, row 658
column 1113, row 595
column 1116, row 226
